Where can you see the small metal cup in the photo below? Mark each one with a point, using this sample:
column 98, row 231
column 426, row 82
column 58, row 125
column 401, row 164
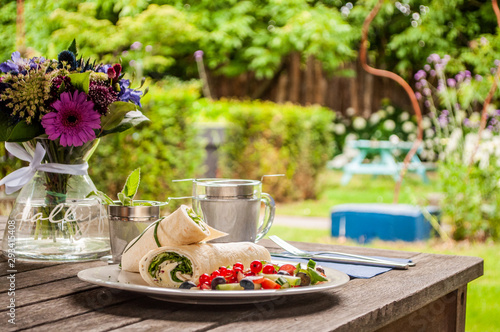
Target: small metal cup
column 126, row 223
column 233, row 206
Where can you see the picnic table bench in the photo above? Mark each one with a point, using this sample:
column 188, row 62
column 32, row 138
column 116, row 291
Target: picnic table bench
column 387, row 165
column 428, row 297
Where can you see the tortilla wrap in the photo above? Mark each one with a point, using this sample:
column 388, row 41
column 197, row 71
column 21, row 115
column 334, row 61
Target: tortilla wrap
column 188, row 262
column 176, row 229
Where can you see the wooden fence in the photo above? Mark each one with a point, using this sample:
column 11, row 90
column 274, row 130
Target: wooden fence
column 307, row 83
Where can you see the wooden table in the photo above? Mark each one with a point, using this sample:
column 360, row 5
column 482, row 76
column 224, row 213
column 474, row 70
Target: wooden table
column 428, row 297
column 387, row 165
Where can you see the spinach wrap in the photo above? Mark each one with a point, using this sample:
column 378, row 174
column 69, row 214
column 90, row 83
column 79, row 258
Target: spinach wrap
column 181, row 227
column 171, row 265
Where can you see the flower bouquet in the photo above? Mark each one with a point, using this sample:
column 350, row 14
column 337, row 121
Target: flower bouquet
column 52, row 114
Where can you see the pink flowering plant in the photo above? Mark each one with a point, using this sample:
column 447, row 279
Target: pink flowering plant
column 63, row 106
column 468, row 165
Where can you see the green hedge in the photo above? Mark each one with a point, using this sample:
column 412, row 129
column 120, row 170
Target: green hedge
column 165, row 149
column 268, row 138
column 261, row 138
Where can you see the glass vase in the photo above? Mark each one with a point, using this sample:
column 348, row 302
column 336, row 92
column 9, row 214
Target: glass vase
column 52, row 218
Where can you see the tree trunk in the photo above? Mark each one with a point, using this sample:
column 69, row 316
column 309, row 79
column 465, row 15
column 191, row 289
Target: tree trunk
column 294, row 78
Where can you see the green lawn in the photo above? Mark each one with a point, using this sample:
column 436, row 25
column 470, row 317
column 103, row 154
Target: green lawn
column 361, row 189
column 483, row 302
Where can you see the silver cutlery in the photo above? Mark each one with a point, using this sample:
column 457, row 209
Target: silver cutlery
column 347, row 258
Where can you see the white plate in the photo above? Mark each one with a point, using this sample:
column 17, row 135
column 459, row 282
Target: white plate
column 112, row 276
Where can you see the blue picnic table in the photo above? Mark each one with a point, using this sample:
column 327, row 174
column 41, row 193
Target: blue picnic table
column 387, row 165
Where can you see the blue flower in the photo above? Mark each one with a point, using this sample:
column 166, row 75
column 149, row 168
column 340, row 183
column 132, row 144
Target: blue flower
column 16, row 64
column 127, row 94
column 104, row 68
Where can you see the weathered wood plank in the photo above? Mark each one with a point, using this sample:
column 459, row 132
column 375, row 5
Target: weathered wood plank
column 46, row 291
column 23, row 266
column 440, row 315
column 76, row 304
column 48, row 274
column 120, row 316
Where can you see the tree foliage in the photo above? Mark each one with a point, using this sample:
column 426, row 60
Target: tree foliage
column 157, row 38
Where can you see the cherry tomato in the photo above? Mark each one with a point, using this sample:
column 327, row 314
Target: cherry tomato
column 256, row 266
column 223, row 271
column 238, row 266
column 268, row 269
column 205, row 279
column 269, row 284
column 288, row 268
column 216, row 273
column 230, row 276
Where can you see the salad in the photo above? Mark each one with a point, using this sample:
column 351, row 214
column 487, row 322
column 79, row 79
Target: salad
column 259, row 275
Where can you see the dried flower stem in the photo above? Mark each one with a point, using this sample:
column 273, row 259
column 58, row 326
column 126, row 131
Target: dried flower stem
column 400, row 81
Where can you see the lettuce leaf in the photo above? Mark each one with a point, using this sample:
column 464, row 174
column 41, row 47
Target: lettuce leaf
column 184, row 266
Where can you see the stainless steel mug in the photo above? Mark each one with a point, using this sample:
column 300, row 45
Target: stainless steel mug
column 126, row 223
column 233, row 206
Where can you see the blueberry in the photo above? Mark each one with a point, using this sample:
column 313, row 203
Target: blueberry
column 247, row 284
column 285, row 273
column 187, row 285
column 218, row 281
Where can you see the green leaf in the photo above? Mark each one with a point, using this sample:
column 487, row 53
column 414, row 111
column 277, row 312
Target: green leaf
column 132, row 184
column 102, row 196
column 18, row 132
column 131, row 119
column 72, row 47
column 81, row 81
column 117, row 112
column 126, row 201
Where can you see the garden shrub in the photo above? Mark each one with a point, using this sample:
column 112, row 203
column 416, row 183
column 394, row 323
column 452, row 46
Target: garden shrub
column 269, row 138
column 165, row 149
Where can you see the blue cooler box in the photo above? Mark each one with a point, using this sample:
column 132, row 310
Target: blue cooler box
column 388, row 222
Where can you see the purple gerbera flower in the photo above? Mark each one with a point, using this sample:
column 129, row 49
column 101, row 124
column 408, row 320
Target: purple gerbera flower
column 74, row 121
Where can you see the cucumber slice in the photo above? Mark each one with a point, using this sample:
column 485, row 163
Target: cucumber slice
column 233, row 286
column 293, row 281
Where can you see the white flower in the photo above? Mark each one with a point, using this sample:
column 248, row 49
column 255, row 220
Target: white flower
column 454, row 141
column 426, row 123
column 405, row 116
column 486, row 134
column 475, row 118
column 394, row 139
column 350, row 111
column 429, row 132
column 351, row 137
column 412, row 137
column 382, row 114
column 374, row 118
column 339, row 129
column 390, row 109
column 408, row 127
column 389, row 125
column 359, row 123
column 461, row 115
